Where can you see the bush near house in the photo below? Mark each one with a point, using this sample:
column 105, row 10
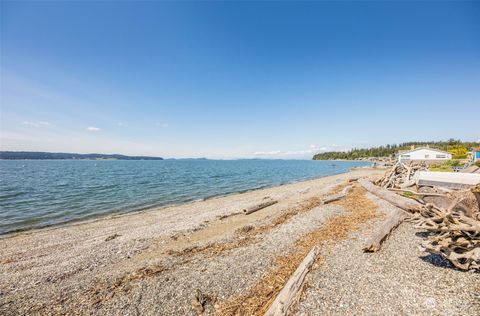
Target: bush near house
column 477, row 163
column 446, row 166
column 459, row 152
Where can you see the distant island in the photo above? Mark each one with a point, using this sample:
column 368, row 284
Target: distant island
column 458, row 148
column 38, row 155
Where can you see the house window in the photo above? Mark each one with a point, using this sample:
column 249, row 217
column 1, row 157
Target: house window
column 427, row 156
column 441, row 156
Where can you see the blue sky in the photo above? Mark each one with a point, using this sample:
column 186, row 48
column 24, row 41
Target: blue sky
column 236, row 79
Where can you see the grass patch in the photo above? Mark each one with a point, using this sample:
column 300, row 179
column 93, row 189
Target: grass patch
column 440, row 167
column 408, row 194
column 446, row 166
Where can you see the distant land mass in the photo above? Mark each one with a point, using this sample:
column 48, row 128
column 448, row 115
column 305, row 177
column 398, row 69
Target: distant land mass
column 458, row 148
column 39, row 155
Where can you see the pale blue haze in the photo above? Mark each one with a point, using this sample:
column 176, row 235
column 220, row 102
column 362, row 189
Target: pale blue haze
column 38, row 193
column 236, row 79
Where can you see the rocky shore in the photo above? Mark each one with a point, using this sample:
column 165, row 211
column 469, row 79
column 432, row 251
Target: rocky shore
column 210, row 258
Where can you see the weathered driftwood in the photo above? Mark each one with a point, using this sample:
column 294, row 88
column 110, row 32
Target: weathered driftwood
column 258, row 207
column 476, row 193
column 405, row 204
column 338, row 196
column 289, row 295
column 375, row 242
column 454, row 235
column 401, row 175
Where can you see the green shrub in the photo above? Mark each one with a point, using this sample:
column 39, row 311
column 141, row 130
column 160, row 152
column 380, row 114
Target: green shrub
column 477, row 163
column 459, row 152
column 455, row 163
column 446, row 166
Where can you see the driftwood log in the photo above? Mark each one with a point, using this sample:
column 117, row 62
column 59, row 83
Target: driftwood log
column 404, row 203
column 290, row 293
column 392, row 222
column 258, row 207
column 338, row 196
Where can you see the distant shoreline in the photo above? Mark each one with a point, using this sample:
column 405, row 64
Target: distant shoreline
column 40, row 155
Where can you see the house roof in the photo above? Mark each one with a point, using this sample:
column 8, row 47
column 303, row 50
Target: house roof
column 428, row 148
column 476, row 149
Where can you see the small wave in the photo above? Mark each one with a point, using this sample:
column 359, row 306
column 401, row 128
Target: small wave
column 47, row 198
column 11, row 195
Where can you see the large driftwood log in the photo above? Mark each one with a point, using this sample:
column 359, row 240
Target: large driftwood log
column 338, row 196
column 405, row 204
column 258, row 207
column 395, row 219
column 290, row 292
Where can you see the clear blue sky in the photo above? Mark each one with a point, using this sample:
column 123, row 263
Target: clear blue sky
column 231, row 79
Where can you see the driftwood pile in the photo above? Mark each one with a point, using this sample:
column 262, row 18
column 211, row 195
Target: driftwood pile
column 451, row 218
column 453, row 235
column 400, row 176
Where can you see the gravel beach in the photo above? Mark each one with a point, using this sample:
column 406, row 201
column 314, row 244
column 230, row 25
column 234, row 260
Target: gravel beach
column 208, row 257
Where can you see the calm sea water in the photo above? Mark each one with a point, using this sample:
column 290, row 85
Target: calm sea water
column 38, row 193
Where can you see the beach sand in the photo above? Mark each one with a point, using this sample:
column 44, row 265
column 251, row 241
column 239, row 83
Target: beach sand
column 209, row 255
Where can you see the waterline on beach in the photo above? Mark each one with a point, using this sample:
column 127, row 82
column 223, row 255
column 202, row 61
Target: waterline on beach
column 36, row 193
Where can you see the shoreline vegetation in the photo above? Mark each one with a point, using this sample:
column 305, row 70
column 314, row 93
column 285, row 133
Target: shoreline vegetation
column 458, row 148
column 178, row 260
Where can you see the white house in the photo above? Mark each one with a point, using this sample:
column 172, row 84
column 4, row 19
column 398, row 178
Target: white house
column 425, row 154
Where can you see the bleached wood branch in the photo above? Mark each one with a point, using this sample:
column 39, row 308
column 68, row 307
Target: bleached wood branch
column 258, row 207
column 292, row 289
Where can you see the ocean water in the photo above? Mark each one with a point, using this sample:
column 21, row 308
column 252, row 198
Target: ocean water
column 39, row 193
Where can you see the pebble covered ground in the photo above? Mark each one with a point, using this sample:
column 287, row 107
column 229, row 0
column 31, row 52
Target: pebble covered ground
column 398, row 280
column 163, row 262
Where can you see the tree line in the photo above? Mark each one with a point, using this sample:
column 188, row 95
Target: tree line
column 458, row 148
column 46, row 155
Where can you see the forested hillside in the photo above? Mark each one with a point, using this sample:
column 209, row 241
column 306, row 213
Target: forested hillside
column 45, row 155
column 457, row 147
